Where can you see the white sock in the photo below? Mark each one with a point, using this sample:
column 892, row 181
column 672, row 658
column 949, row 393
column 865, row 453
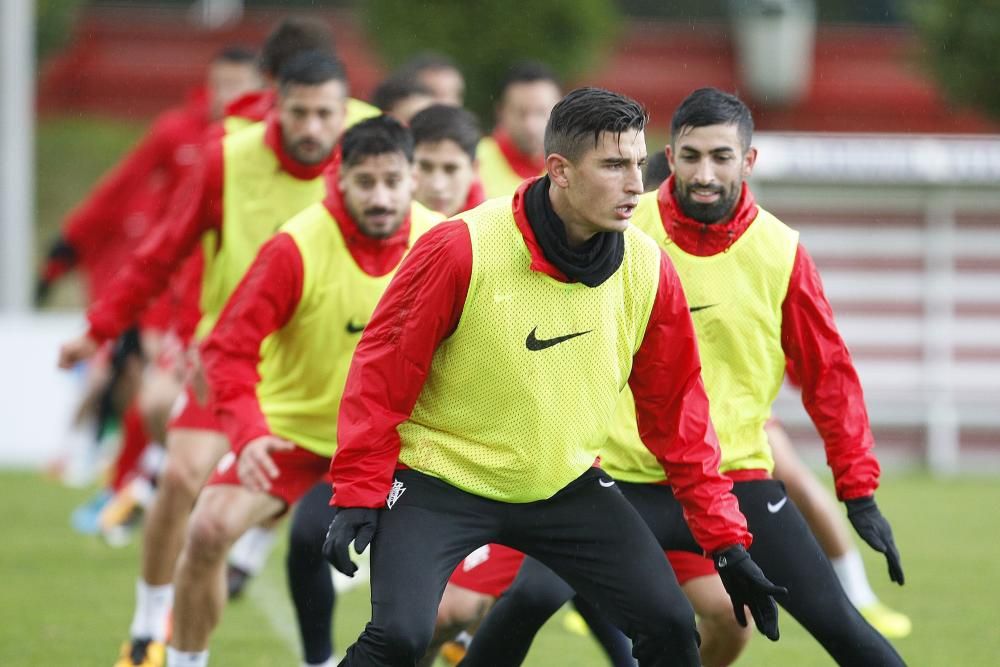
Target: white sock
column 850, row 570
column 463, row 638
column 250, row 552
column 177, row 658
column 152, row 609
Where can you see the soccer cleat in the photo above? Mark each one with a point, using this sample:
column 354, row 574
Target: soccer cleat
column 142, row 653
column 574, row 623
column 86, row 518
column 889, row 622
column 452, row 652
column 122, row 514
column 236, row 581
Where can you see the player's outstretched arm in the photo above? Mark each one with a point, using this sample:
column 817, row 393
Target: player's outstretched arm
column 873, row 528
column 748, row 587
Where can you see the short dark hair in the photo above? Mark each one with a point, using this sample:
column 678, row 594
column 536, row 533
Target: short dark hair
column 235, row 54
column 425, row 61
column 293, row 36
column 657, row 170
column 393, row 90
column 311, row 68
column 711, row 106
column 375, row 136
column 584, row 114
column 526, row 71
column 443, row 121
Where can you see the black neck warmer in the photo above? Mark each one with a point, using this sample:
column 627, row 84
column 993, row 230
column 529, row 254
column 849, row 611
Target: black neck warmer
column 593, row 262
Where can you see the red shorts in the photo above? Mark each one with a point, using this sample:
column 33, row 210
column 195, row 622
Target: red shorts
column 489, row 570
column 188, row 413
column 688, row 566
column 299, row 469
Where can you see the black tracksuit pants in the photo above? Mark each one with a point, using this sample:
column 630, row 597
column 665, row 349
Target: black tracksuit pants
column 783, row 547
column 582, row 533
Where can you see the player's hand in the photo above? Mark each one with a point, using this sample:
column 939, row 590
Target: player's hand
column 255, row 466
column 73, row 352
column 747, row 586
column 874, row 529
column 350, row 524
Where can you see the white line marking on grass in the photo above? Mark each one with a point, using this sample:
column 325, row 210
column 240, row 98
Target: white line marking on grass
column 272, row 600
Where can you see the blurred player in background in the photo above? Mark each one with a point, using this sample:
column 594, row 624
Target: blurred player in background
column 514, row 151
column 248, row 184
column 99, row 235
column 402, row 98
column 308, row 294
column 437, row 72
column 444, row 153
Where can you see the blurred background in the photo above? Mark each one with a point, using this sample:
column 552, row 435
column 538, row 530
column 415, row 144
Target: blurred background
column 878, row 126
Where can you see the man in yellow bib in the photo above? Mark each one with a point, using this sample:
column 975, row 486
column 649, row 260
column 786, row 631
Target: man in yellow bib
column 247, row 185
column 278, row 357
column 482, row 389
column 755, row 299
column 514, row 151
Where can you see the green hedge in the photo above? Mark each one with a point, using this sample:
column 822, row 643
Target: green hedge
column 485, row 37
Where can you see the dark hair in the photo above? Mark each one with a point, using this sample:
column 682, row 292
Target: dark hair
column 423, row 62
column 375, row 136
column 395, row 89
column 584, row 114
column 311, row 68
column 657, row 170
column 711, row 106
column 526, row 71
column 443, row 121
column 291, row 37
column 236, row 54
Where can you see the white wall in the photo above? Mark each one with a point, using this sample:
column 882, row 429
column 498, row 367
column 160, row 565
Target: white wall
column 36, row 399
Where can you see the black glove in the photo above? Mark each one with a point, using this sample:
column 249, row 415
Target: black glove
column 747, row 585
column 874, row 529
column 350, row 524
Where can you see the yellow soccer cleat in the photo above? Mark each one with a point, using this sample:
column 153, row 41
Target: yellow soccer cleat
column 889, row 622
column 452, row 652
column 574, row 623
column 142, row 653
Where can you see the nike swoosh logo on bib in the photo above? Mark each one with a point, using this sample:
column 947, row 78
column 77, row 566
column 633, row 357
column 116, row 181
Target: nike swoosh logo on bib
column 353, row 328
column 774, row 507
column 695, row 309
column 535, row 344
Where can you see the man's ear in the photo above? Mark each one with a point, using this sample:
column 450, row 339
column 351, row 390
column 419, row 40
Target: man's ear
column 749, row 160
column 558, row 169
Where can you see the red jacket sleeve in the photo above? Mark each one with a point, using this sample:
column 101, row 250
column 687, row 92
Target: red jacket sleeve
column 194, row 208
column 420, row 308
column 262, row 303
column 831, row 390
column 87, row 224
column 672, row 411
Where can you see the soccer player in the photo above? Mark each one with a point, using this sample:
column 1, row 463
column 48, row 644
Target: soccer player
column 106, row 228
column 816, row 504
column 755, row 299
column 444, row 152
column 402, row 98
column 309, row 294
column 515, row 150
column 483, row 387
column 292, row 36
column 437, row 72
column 248, row 184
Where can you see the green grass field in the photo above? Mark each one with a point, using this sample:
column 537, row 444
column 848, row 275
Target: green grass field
column 67, row 598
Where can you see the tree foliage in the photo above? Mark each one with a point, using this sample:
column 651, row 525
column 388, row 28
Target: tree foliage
column 959, row 40
column 485, row 37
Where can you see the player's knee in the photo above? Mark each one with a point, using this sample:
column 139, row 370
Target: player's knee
column 179, row 480
column 406, row 640
column 721, row 628
column 537, row 600
column 209, row 536
column 305, row 544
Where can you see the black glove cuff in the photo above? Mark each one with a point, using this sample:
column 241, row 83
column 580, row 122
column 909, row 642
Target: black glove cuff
column 856, row 505
column 730, row 556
